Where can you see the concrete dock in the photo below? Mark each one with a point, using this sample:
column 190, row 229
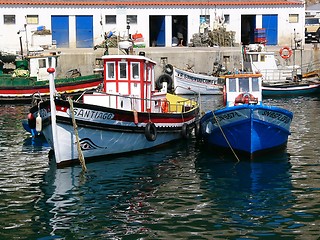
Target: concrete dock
column 201, row 58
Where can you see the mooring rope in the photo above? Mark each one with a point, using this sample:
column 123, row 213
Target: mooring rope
column 225, row 137
column 75, row 128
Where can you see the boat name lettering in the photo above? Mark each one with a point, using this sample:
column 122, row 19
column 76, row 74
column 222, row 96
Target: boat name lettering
column 228, row 116
column 92, row 114
column 277, row 116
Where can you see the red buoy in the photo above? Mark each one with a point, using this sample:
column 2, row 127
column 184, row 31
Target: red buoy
column 51, row 70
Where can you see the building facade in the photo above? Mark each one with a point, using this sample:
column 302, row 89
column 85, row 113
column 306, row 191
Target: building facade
column 83, row 24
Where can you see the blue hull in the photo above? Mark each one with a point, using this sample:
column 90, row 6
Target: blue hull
column 247, row 128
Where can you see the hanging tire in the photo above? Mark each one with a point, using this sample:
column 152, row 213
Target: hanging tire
column 150, row 132
column 168, row 69
column 185, row 131
column 164, row 78
column 197, row 130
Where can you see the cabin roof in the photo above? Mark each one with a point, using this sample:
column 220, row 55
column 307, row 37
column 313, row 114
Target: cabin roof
column 132, row 57
column 152, row 2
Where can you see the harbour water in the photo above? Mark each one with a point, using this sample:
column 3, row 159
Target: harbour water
column 177, row 192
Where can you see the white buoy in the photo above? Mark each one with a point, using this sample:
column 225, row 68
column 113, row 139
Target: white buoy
column 38, row 123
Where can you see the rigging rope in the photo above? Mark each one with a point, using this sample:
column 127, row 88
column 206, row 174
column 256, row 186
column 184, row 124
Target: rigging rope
column 225, row 137
column 75, row 128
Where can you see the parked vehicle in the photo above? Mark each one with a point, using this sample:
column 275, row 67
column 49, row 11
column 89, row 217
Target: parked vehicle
column 312, row 29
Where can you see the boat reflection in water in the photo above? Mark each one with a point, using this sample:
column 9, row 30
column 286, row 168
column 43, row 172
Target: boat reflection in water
column 108, row 195
column 37, row 143
column 255, row 194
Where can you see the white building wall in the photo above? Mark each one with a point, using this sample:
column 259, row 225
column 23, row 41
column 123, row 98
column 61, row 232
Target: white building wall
column 10, row 39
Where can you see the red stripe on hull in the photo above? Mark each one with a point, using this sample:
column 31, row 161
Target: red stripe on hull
column 45, row 89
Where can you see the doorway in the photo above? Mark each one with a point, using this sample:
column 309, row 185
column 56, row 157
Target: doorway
column 180, row 30
column 248, row 25
column 157, row 31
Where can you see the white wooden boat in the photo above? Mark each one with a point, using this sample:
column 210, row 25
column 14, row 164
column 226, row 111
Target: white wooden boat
column 128, row 115
column 186, row 82
column 279, row 80
column 256, row 59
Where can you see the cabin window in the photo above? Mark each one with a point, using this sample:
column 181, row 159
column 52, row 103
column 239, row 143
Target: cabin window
column 123, row 69
column 254, row 57
column 9, row 19
column 42, row 63
column 110, row 70
column 255, row 85
column 232, row 85
column 244, row 84
column 262, row 58
column 135, row 71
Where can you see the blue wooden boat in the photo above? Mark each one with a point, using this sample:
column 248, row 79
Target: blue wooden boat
column 245, row 124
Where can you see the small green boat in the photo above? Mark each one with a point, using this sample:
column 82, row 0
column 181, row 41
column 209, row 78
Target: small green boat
column 30, row 77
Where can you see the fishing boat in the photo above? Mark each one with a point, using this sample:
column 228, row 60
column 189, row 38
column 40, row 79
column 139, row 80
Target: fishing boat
column 186, row 82
column 127, row 115
column 29, row 76
column 246, row 125
column 279, row 80
column 291, row 89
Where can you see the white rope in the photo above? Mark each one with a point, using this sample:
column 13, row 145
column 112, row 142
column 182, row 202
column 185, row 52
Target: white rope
column 225, row 137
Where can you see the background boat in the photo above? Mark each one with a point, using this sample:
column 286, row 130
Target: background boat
column 29, row 76
column 186, row 82
column 281, row 80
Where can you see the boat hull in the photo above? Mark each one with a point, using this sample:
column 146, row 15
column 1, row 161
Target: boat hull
column 20, row 89
column 249, row 129
column 107, row 131
column 291, row 90
column 190, row 83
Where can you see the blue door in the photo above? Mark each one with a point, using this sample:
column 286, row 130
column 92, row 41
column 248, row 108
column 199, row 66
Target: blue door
column 270, row 23
column 84, row 31
column 60, row 31
column 157, row 31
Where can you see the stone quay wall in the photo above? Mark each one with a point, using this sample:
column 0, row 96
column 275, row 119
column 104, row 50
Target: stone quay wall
column 200, row 59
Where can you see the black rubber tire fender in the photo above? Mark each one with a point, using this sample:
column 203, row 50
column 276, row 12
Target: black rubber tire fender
column 150, row 132
column 185, row 132
column 164, row 78
column 168, row 69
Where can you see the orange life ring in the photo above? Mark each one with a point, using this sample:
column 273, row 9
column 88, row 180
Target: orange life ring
column 165, row 106
column 245, row 98
column 285, row 49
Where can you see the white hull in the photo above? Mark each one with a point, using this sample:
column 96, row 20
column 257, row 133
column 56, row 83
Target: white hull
column 109, row 131
column 190, row 83
column 95, row 142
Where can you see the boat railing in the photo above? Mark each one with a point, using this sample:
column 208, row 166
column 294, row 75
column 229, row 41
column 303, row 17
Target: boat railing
column 277, row 75
column 131, row 102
